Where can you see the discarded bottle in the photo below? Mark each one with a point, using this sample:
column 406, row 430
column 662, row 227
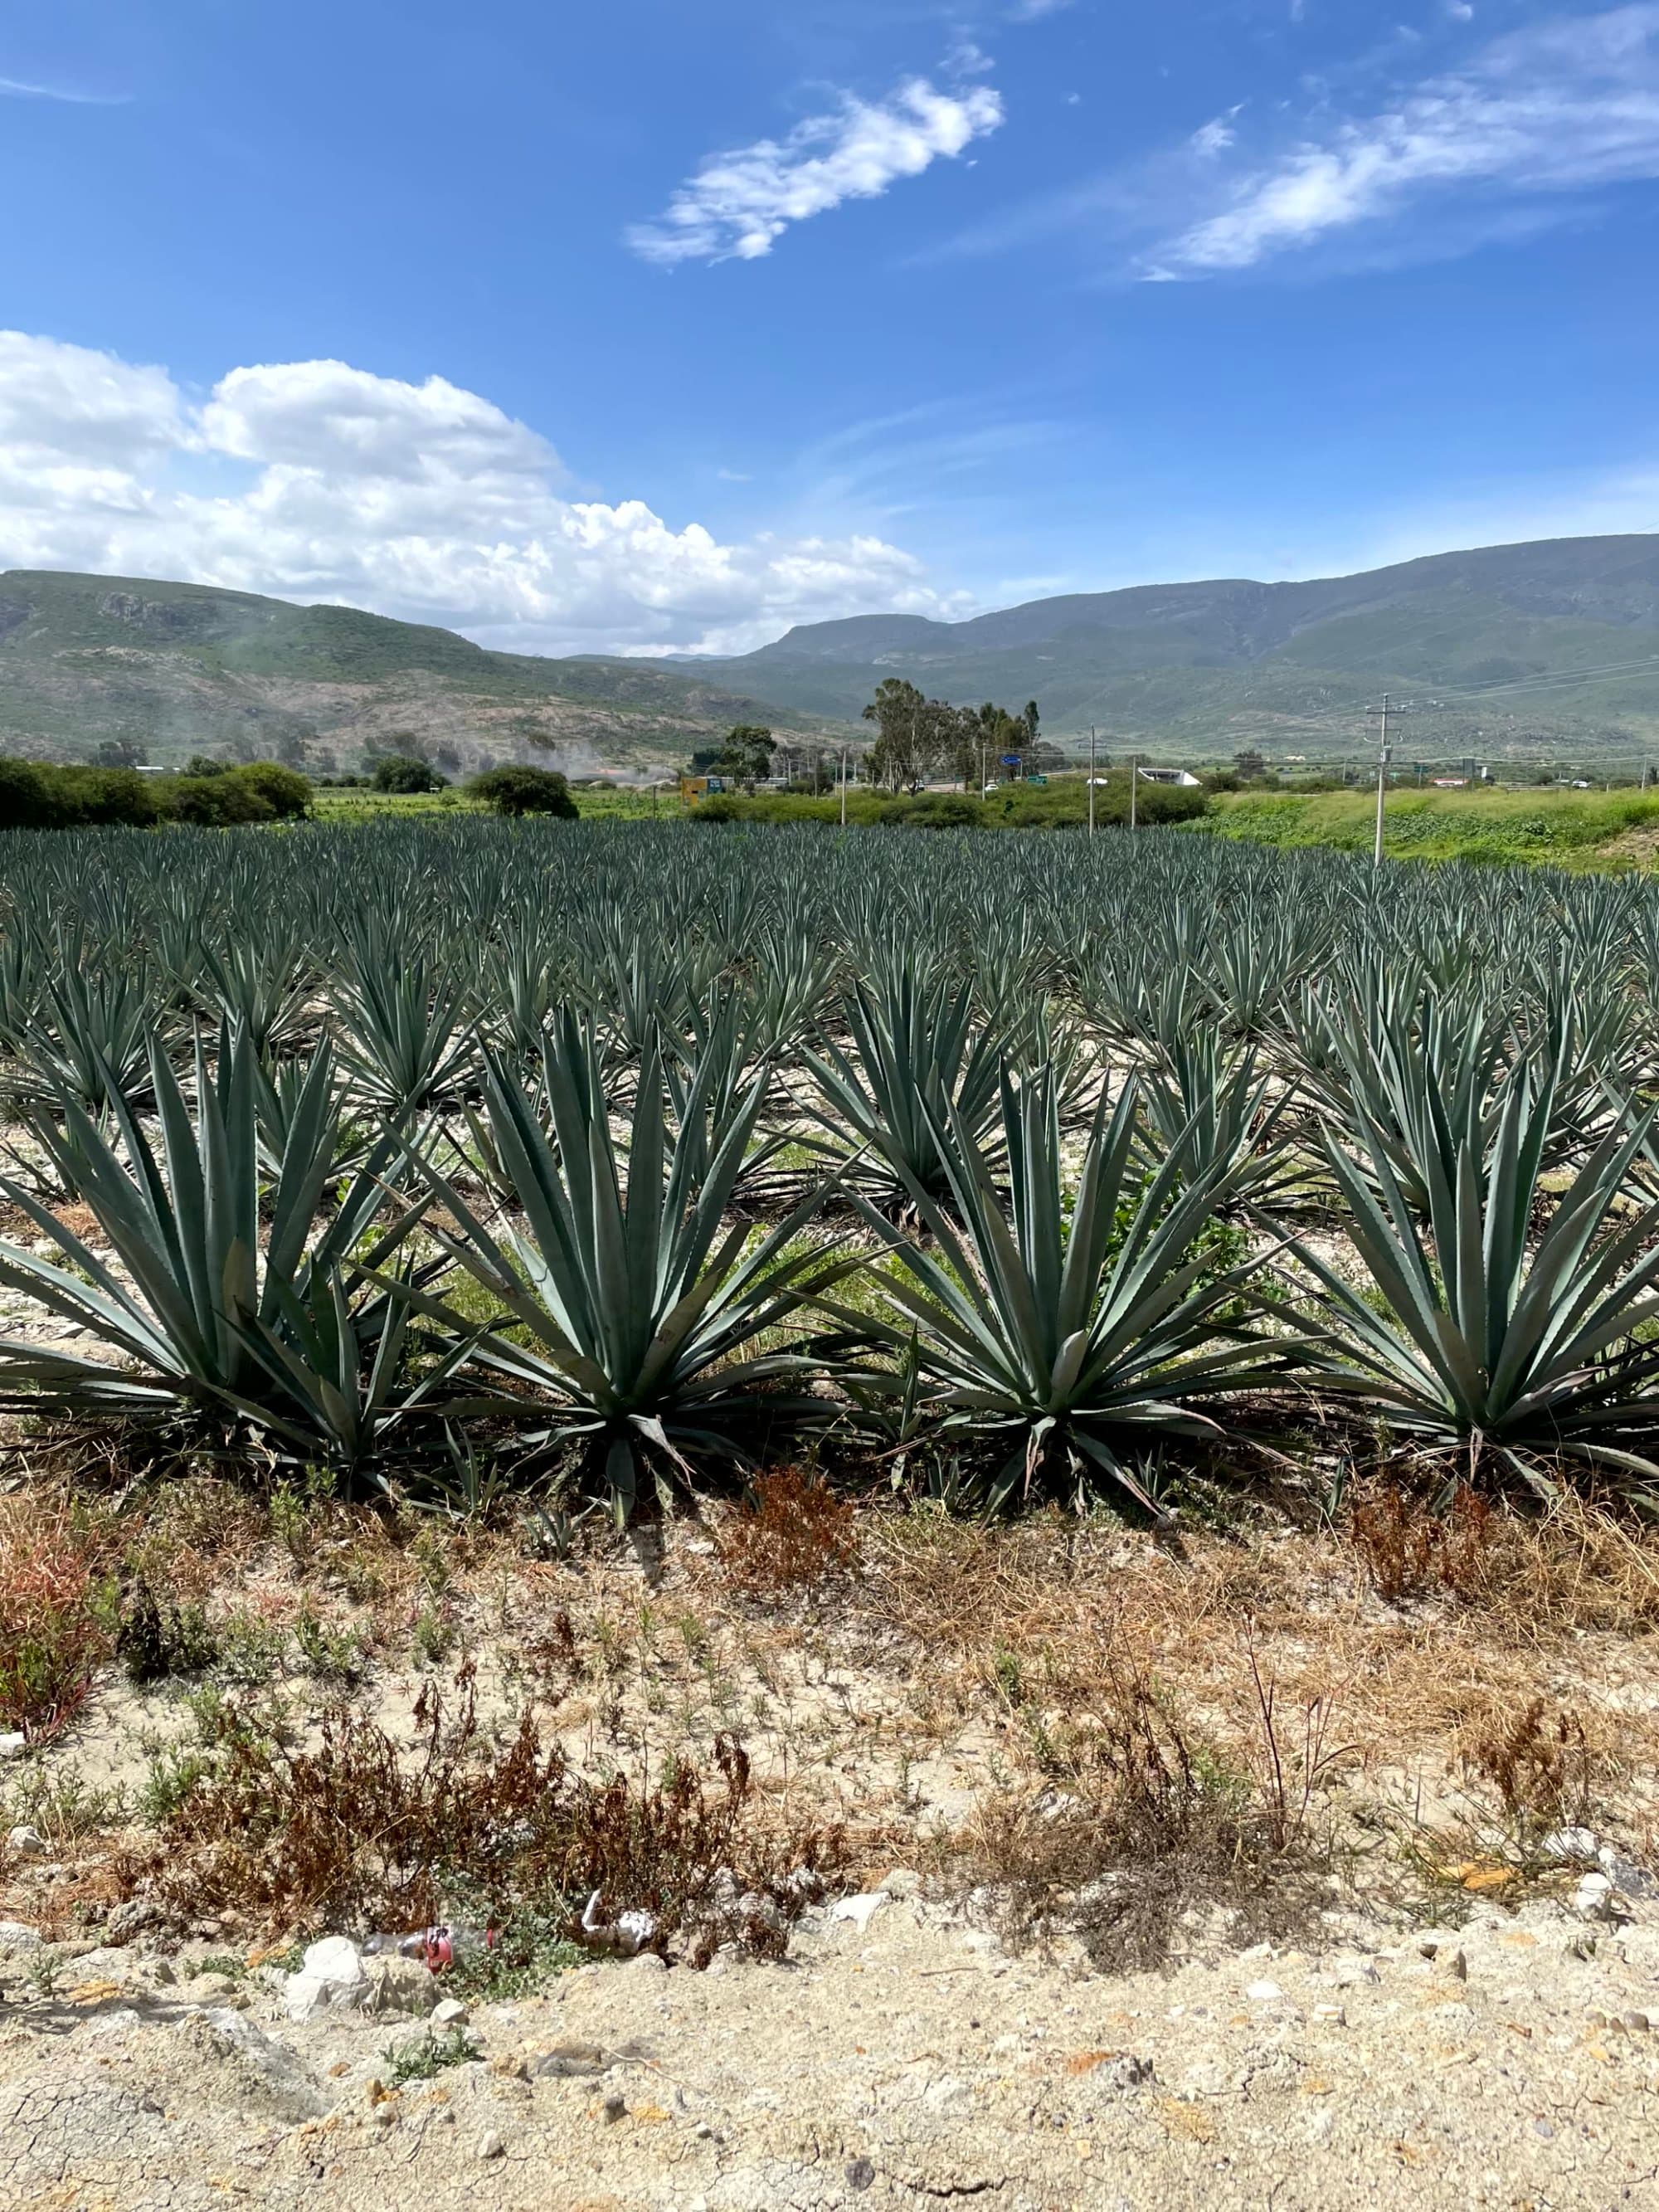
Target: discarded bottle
column 438, row 1947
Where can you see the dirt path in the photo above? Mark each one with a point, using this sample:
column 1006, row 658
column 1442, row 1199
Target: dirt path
column 899, row 2058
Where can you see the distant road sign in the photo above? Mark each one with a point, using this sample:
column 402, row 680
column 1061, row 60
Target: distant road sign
column 1010, row 760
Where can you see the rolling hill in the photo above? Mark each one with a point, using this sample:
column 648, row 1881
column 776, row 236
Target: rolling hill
column 1492, row 650
column 1509, row 653
column 175, row 669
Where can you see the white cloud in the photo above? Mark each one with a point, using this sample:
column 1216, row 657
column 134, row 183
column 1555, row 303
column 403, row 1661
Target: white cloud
column 1568, row 104
column 13, row 87
column 313, row 480
column 739, row 204
column 1214, row 138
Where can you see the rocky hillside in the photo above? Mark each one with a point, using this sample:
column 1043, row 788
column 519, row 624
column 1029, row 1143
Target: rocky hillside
column 175, row 669
column 1497, row 650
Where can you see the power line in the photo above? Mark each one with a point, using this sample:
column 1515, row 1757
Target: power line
column 1548, row 680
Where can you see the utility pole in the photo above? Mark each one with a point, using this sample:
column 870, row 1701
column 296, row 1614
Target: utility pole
column 1381, row 785
column 1091, row 778
column 843, row 787
column 1135, row 787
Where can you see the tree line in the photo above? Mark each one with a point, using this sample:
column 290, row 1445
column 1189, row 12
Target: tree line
column 919, row 740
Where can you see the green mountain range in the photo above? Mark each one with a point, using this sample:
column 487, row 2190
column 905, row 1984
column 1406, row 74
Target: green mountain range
column 168, row 670
column 1509, row 652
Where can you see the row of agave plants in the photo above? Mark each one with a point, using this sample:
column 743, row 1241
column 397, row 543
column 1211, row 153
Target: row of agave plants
column 915, row 1220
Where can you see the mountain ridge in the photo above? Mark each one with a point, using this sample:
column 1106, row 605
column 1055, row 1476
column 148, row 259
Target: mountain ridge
column 166, row 669
column 1231, row 660
column 1513, row 653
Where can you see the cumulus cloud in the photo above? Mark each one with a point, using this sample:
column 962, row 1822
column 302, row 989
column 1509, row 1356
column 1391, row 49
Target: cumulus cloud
column 738, row 204
column 1565, row 105
column 315, row 480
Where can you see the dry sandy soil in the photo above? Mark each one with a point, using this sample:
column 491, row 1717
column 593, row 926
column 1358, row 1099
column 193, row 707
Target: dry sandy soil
column 902, row 2059
column 1432, row 2021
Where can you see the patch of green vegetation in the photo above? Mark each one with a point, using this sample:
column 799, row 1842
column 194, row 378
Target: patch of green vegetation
column 1062, row 803
column 530, row 1951
column 424, row 2057
column 327, row 1654
column 63, row 1803
column 1574, row 829
column 251, row 1650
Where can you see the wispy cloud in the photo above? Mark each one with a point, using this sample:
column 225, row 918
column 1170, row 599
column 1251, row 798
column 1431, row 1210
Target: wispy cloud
column 1567, row 105
column 738, row 204
column 13, row 87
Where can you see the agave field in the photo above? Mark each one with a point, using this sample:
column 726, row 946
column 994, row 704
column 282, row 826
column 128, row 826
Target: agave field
column 457, row 1156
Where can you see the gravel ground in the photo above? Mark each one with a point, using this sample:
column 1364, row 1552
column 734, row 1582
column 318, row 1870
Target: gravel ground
column 900, row 2058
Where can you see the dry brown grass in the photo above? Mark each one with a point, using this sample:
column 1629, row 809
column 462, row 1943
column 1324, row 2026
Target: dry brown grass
column 1020, row 1664
column 1144, row 1829
column 1563, row 1607
column 56, row 1617
column 370, row 1829
column 789, row 1533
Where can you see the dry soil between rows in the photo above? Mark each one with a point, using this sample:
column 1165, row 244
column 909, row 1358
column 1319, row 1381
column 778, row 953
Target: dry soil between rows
column 905, row 2061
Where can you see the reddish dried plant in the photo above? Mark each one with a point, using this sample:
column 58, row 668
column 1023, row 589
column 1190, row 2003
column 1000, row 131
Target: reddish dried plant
column 791, row 1531
column 55, row 1622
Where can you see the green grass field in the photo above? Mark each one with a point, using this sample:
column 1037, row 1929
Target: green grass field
column 1590, row 830
column 595, row 806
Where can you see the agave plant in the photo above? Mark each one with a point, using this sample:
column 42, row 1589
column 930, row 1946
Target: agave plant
column 1218, row 1114
column 220, row 1293
column 1076, row 1341
column 1410, row 1073
column 624, row 1299
column 261, row 987
column 1487, row 1346
column 406, row 1029
column 93, row 1034
column 919, row 1073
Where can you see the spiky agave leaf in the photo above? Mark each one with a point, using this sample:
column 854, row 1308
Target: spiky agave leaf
column 1080, row 1341
column 921, row 1071
column 218, row 1281
column 1219, row 1112
column 640, row 1310
column 1489, row 1345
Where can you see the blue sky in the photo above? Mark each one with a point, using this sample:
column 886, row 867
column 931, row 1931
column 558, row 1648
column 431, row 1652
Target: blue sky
column 648, row 327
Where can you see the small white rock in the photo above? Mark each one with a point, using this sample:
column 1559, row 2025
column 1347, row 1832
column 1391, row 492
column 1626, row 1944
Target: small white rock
column 1264, row 1993
column 28, row 1841
column 1570, row 1844
column 491, row 2146
column 860, row 1909
column 12, row 1744
column 449, row 2013
column 18, row 1935
column 331, row 1976
column 1594, row 1898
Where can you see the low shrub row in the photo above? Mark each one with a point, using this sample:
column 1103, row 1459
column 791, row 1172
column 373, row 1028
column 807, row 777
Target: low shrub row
column 36, row 795
column 1062, row 805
